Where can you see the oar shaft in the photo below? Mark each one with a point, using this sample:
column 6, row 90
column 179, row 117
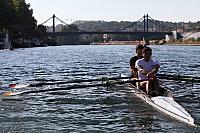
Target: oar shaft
column 81, row 86
column 179, row 77
column 67, row 88
column 80, row 81
column 65, row 82
column 75, row 87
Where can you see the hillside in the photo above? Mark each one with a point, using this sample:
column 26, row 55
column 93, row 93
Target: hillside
column 115, row 26
column 156, row 25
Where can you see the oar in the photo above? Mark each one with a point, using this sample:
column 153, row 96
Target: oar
column 71, row 87
column 65, row 82
column 179, row 77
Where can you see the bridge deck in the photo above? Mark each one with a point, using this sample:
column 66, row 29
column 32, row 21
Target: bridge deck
column 140, row 33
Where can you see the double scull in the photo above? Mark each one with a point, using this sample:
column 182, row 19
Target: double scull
column 163, row 102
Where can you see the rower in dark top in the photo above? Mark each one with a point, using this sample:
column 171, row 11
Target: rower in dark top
column 132, row 61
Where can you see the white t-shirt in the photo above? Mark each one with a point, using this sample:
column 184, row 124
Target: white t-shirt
column 147, row 66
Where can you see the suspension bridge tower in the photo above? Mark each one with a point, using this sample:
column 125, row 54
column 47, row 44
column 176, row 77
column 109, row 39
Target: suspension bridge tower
column 54, row 37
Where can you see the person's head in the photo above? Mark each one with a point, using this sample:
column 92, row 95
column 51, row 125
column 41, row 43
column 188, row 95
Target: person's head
column 147, row 52
column 139, row 49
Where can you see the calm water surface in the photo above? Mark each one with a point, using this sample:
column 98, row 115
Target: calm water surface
column 94, row 109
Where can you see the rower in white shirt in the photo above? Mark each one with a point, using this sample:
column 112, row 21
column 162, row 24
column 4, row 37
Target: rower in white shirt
column 147, row 69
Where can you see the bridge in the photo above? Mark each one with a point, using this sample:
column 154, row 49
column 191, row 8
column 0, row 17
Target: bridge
column 141, row 33
column 145, row 30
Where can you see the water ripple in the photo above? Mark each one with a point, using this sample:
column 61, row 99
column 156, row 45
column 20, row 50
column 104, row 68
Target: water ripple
column 94, row 109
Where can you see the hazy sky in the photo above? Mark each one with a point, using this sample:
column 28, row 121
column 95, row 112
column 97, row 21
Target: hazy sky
column 116, row 10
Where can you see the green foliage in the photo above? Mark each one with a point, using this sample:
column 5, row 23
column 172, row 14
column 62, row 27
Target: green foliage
column 7, row 13
column 16, row 17
column 194, row 26
column 198, row 39
column 40, row 32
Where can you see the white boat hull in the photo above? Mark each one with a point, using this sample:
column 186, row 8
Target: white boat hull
column 165, row 104
column 168, row 106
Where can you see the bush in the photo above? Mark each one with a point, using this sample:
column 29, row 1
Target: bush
column 198, row 39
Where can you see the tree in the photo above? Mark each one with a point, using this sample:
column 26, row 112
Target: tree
column 16, row 16
column 40, row 31
column 7, row 14
column 198, row 39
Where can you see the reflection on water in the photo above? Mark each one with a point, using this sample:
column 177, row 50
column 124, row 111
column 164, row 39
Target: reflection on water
column 95, row 109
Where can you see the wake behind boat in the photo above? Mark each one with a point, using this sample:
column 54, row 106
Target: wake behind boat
column 164, row 102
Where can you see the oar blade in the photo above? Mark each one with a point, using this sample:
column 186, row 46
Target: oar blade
column 17, row 86
column 9, row 93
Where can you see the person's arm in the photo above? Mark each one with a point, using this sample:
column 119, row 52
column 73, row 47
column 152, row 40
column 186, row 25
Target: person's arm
column 140, row 68
column 154, row 70
column 132, row 67
column 133, row 72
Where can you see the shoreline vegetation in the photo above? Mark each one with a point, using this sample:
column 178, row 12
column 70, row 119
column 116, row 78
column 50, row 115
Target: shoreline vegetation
column 191, row 41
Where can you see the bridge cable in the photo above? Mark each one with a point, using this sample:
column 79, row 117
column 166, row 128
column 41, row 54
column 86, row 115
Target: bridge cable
column 61, row 21
column 67, row 24
column 46, row 21
column 160, row 25
column 132, row 24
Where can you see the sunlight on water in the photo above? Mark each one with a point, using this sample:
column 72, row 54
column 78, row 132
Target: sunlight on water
column 95, row 109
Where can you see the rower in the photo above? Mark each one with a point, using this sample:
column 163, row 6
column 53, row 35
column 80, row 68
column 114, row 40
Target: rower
column 147, row 69
column 132, row 61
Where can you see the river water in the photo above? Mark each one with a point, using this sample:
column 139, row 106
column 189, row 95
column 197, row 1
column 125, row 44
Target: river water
column 92, row 109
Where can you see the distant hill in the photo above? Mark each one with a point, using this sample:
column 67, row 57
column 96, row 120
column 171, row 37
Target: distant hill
column 115, row 26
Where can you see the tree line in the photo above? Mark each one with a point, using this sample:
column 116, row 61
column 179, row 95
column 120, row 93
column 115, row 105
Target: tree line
column 153, row 25
column 16, row 17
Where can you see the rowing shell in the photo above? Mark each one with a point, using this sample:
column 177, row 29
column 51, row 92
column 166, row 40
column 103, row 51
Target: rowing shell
column 164, row 103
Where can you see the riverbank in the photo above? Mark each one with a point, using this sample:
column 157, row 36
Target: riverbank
column 177, row 42
column 185, row 42
column 117, row 43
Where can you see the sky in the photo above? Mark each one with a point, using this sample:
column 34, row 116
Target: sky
column 116, row 10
